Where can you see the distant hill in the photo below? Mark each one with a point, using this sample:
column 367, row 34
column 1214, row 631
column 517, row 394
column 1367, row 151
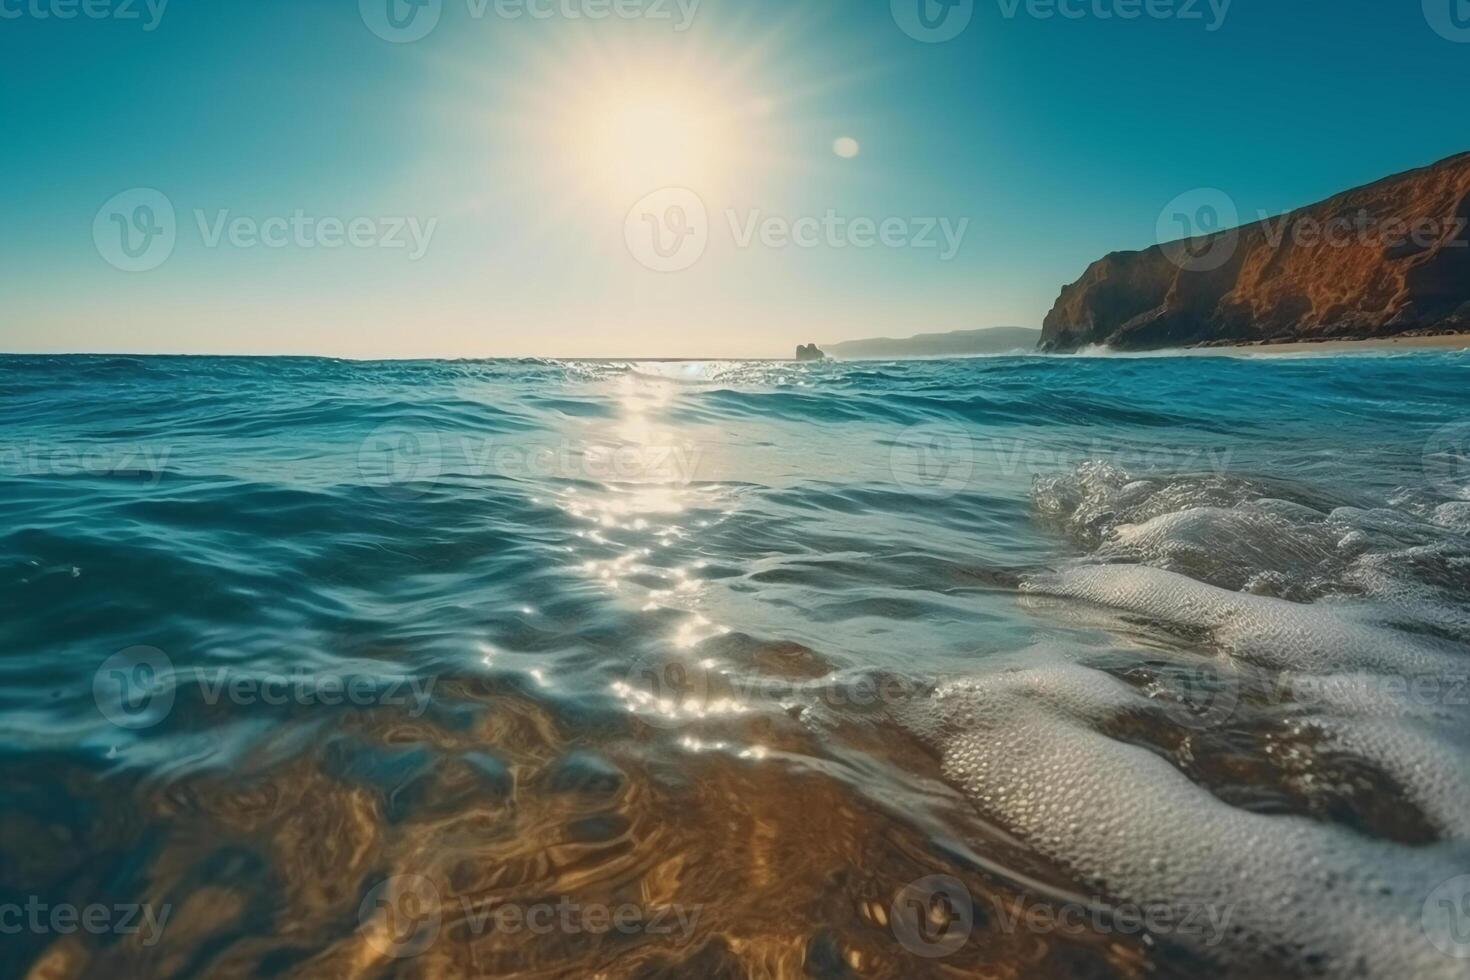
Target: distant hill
column 957, row 343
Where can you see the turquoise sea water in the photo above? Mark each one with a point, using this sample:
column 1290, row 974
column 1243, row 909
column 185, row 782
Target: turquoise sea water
column 1041, row 666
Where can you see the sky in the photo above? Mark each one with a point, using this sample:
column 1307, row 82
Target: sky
column 472, row 178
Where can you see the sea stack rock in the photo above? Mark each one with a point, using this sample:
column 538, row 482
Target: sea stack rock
column 809, row 352
column 1388, row 259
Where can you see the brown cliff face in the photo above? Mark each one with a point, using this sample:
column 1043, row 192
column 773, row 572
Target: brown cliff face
column 1387, row 259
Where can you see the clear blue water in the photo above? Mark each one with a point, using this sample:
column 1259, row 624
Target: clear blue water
column 768, row 641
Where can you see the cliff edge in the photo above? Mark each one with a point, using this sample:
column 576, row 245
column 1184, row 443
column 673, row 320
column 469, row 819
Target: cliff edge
column 1388, row 259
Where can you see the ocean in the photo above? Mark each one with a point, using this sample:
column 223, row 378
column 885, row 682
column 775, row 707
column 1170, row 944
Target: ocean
column 1019, row 666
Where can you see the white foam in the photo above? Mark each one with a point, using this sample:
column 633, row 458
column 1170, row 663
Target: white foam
column 1271, row 632
column 1235, row 534
column 1454, row 515
column 1228, row 546
column 1310, row 896
column 1371, row 672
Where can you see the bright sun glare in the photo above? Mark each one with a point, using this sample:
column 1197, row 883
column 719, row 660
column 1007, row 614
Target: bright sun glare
column 604, row 123
column 639, row 140
column 589, row 126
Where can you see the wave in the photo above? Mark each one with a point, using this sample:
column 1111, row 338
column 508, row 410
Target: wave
column 1325, row 652
column 1177, row 633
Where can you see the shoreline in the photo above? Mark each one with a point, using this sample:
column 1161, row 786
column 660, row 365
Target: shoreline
column 1459, row 341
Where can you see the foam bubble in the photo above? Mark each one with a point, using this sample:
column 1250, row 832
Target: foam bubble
column 1243, row 535
column 1317, row 898
column 1356, row 689
column 1271, row 632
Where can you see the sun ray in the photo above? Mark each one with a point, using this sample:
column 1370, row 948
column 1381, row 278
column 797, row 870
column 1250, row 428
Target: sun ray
column 588, row 123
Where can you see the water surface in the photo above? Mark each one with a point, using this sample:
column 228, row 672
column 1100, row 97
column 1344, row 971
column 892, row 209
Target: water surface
column 1020, row 666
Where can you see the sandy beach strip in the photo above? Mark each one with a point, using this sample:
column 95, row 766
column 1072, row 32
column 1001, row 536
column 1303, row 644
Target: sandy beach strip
column 1459, row 341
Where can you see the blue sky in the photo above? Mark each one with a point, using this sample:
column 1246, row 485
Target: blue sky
column 482, row 190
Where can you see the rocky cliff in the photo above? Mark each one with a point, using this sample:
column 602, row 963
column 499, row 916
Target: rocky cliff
column 1388, row 259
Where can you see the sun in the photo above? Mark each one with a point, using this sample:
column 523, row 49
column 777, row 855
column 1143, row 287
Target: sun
column 603, row 123
column 582, row 125
column 631, row 129
column 641, row 140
